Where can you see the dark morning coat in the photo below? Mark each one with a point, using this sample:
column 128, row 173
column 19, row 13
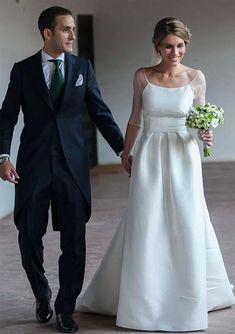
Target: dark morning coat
column 27, row 89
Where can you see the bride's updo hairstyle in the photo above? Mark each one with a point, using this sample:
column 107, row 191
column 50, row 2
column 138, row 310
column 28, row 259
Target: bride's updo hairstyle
column 170, row 25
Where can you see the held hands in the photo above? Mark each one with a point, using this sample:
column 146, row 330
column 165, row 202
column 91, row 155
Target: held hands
column 127, row 162
column 206, row 136
column 8, row 172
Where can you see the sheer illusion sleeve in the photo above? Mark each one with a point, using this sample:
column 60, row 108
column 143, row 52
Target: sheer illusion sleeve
column 139, row 84
column 198, row 86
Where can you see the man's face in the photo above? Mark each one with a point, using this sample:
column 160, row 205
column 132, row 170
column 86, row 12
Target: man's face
column 61, row 38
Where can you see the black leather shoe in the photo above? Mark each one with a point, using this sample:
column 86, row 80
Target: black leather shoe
column 43, row 309
column 66, row 324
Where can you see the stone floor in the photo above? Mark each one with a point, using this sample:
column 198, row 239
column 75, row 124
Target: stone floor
column 109, row 201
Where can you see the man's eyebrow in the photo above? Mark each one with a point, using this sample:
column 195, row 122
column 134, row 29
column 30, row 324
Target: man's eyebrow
column 68, row 27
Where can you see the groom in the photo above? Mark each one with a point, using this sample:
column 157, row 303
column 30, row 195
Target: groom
column 53, row 88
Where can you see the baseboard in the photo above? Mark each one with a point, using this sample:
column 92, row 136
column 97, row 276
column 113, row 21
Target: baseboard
column 107, row 169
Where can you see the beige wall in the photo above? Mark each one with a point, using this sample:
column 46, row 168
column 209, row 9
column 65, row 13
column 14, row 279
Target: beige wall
column 123, row 31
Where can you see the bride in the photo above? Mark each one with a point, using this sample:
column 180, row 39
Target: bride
column 163, row 269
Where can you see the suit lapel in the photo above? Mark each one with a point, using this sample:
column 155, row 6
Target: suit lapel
column 38, row 80
column 71, row 74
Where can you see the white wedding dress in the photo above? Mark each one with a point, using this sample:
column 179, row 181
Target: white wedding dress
column 163, row 269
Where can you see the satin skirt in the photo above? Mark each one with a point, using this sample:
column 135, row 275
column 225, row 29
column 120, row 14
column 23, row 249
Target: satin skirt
column 163, row 269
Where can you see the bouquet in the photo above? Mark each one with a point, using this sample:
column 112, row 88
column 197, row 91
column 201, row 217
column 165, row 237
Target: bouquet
column 203, row 117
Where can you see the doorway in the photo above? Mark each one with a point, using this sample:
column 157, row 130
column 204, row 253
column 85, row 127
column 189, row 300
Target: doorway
column 86, row 50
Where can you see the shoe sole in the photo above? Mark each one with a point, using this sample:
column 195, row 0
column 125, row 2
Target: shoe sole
column 62, row 331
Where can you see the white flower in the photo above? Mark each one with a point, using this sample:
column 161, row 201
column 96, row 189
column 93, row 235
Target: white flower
column 214, row 123
column 192, row 109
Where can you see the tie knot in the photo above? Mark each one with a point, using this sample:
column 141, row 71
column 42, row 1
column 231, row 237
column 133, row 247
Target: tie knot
column 57, row 62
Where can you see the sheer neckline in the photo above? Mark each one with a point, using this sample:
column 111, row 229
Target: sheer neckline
column 151, row 84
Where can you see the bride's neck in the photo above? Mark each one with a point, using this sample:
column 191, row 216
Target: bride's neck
column 169, row 70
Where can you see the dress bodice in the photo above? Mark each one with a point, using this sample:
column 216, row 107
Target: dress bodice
column 151, row 100
column 166, row 102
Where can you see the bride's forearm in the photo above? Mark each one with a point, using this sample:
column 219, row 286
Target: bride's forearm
column 130, row 137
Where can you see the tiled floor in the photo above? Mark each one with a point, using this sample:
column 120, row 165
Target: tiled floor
column 109, row 200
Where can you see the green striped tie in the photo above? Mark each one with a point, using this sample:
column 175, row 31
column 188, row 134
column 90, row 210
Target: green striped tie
column 57, row 82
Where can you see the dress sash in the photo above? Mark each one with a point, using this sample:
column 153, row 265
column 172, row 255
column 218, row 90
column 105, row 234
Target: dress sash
column 164, row 124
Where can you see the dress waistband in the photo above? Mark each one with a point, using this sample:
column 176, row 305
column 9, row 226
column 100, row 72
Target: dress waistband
column 164, row 124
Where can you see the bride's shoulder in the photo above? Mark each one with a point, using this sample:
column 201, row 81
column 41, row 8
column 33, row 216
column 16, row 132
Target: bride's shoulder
column 150, row 69
column 144, row 73
column 140, row 79
column 146, row 70
column 194, row 74
column 141, row 74
column 196, row 79
column 141, row 71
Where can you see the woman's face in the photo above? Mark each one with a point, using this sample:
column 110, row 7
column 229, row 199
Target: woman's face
column 172, row 49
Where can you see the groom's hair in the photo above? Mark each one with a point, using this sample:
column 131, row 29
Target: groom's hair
column 47, row 19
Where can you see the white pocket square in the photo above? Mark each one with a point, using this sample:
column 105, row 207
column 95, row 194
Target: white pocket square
column 79, row 81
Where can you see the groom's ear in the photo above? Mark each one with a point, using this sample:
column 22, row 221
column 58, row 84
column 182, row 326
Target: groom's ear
column 47, row 33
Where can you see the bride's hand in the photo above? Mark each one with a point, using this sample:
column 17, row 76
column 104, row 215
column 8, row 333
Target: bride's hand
column 127, row 162
column 206, row 136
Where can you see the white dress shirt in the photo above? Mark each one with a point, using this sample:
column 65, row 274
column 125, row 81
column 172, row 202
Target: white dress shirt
column 48, row 67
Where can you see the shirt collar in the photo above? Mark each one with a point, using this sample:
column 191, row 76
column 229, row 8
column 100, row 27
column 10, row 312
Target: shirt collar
column 45, row 56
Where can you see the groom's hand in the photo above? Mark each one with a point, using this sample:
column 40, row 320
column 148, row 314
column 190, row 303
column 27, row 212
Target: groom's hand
column 8, row 172
column 206, row 136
